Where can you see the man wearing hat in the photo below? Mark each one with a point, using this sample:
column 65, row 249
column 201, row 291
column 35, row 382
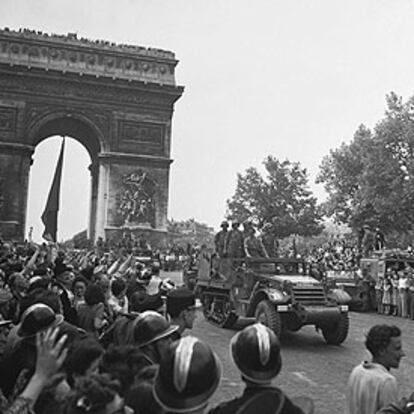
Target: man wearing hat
column 188, row 375
column 220, row 239
column 181, row 309
column 152, row 334
column 62, row 286
column 256, row 352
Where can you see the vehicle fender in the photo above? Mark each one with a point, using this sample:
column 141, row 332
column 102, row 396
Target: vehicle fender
column 340, row 296
column 273, row 295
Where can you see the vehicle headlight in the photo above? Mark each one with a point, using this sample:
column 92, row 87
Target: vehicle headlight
column 277, row 296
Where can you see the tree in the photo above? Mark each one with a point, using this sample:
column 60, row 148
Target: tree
column 371, row 179
column 341, row 173
column 281, row 199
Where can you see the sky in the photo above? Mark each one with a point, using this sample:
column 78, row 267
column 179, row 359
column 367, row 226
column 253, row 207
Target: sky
column 293, row 79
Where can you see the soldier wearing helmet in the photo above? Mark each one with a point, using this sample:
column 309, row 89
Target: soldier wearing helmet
column 269, row 240
column 152, row 334
column 256, row 352
column 234, row 241
column 253, row 247
column 188, row 376
column 220, row 239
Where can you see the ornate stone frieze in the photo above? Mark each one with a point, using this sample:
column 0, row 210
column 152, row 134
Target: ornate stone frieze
column 60, row 88
column 69, row 54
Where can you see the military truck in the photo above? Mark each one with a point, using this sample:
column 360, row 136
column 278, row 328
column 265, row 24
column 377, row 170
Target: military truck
column 275, row 291
column 382, row 260
column 345, row 286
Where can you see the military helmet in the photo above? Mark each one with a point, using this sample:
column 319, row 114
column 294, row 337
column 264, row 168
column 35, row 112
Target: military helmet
column 256, row 352
column 150, row 327
column 188, row 375
column 38, row 318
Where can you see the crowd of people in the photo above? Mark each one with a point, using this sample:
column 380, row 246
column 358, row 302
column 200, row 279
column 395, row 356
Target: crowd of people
column 100, row 332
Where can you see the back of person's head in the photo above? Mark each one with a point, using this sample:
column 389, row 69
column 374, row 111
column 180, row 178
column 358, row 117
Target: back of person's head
column 40, row 295
column 82, row 355
column 94, row 295
column 179, row 300
column 141, row 399
column 92, row 394
column 140, row 301
column 53, row 397
column 256, row 353
column 118, row 286
column 379, row 337
column 122, row 363
column 188, row 375
column 38, row 282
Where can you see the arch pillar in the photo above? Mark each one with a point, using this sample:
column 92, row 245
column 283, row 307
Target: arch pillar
column 15, row 161
column 119, row 186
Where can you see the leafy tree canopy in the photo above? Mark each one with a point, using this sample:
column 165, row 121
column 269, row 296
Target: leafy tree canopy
column 281, row 198
column 371, row 179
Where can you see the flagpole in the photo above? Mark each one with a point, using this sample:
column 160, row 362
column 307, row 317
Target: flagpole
column 50, row 213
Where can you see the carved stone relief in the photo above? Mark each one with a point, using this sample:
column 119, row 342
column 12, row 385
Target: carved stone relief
column 137, row 199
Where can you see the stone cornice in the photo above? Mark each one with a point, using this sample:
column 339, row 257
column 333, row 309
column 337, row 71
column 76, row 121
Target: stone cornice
column 134, row 158
column 13, row 147
column 67, row 53
column 86, row 88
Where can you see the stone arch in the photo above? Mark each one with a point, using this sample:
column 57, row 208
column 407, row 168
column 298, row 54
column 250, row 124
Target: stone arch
column 82, row 129
column 117, row 100
column 75, row 125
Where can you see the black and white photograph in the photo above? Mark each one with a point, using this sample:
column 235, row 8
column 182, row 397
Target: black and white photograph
column 206, row 206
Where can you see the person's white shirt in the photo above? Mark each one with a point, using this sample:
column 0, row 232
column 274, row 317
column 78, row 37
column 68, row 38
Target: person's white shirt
column 371, row 387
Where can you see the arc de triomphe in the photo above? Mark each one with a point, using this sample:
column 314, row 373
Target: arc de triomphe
column 117, row 100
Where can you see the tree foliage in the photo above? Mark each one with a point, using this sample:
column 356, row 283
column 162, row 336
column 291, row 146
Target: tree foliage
column 281, row 198
column 371, row 179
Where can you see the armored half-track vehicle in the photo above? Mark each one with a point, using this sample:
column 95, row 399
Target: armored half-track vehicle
column 346, row 287
column 276, row 292
column 377, row 265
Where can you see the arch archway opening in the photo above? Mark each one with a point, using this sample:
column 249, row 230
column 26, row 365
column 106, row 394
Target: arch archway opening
column 74, row 214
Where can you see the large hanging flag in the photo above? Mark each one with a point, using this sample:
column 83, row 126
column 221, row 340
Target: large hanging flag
column 50, row 214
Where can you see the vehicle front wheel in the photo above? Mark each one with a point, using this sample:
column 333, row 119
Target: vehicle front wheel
column 336, row 334
column 266, row 314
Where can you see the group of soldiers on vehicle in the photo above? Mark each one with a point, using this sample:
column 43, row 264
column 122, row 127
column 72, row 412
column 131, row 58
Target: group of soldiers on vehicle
column 236, row 244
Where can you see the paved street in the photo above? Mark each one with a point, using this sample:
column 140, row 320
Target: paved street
column 310, row 367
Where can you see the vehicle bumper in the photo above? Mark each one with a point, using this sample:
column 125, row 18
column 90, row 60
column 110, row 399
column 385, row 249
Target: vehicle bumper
column 315, row 315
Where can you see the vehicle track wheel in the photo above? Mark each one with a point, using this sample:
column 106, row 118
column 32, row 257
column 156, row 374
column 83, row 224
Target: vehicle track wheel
column 266, row 314
column 336, row 334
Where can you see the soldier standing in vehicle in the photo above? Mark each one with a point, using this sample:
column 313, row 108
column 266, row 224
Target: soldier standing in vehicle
column 253, row 247
column 234, row 246
column 220, row 239
column 269, row 240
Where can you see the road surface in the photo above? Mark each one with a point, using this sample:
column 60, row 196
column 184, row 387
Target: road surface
column 310, row 366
